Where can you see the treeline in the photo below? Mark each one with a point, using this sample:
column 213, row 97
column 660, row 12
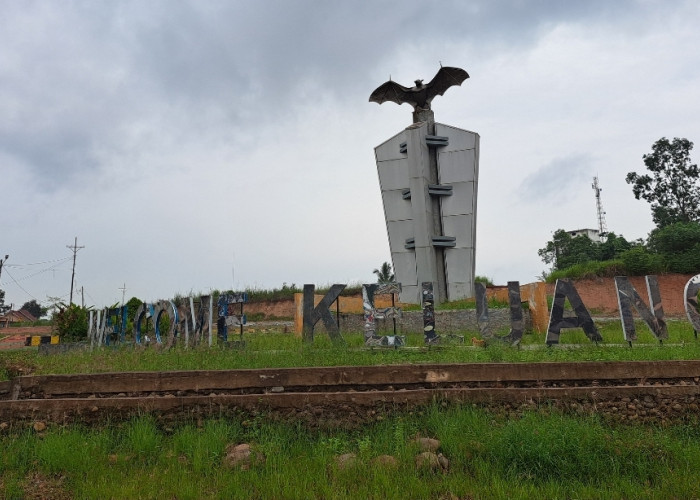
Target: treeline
column 674, row 248
column 671, row 186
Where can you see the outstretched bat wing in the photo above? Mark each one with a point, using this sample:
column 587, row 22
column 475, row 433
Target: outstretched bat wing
column 391, row 91
column 445, row 78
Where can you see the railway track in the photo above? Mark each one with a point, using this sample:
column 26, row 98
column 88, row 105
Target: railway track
column 78, row 397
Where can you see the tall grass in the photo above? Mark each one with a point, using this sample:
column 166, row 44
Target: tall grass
column 543, row 454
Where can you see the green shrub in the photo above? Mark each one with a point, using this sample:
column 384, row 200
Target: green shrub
column 675, row 238
column 687, row 262
column 639, row 261
column 678, row 246
column 484, row 279
column 588, row 270
column 71, row 322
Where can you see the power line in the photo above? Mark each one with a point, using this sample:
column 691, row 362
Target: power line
column 91, row 297
column 50, row 268
column 20, row 286
column 39, row 263
column 75, row 249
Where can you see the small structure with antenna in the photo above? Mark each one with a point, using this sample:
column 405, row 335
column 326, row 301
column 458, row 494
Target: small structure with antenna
column 599, row 235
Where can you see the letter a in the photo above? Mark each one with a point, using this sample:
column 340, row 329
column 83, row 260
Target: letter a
column 565, row 289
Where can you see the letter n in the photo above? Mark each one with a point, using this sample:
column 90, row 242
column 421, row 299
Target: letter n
column 627, row 297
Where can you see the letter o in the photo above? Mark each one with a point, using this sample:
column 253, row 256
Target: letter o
column 692, row 287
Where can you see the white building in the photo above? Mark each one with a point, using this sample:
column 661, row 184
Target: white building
column 593, row 234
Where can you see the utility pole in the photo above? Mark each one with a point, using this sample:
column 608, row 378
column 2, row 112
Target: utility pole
column 75, row 249
column 82, row 294
column 3, row 307
column 123, row 289
column 2, row 261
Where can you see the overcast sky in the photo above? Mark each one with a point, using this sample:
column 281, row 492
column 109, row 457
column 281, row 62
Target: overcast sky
column 224, row 144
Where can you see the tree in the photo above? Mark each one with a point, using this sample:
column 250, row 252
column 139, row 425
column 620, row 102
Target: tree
column 672, row 189
column 565, row 251
column 33, row 308
column 71, row 322
column 3, row 307
column 639, row 261
column 613, row 246
column 678, row 246
column 133, row 304
column 384, row 274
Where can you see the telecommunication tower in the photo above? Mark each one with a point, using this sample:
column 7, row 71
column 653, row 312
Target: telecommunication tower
column 602, row 228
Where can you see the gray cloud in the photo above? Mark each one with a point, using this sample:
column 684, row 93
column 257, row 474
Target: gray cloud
column 85, row 72
column 556, row 179
column 117, row 114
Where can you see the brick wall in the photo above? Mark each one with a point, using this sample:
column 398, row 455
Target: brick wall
column 599, row 295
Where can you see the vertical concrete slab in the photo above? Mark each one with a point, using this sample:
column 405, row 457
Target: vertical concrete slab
column 393, row 170
column 425, row 225
column 458, row 167
column 408, row 168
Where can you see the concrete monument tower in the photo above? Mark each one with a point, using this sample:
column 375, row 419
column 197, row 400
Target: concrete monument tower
column 428, row 175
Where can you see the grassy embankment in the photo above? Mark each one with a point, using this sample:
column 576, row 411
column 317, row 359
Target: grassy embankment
column 540, row 455
column 286, row 350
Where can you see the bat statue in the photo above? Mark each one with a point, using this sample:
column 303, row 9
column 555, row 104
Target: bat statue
column 421, row 95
